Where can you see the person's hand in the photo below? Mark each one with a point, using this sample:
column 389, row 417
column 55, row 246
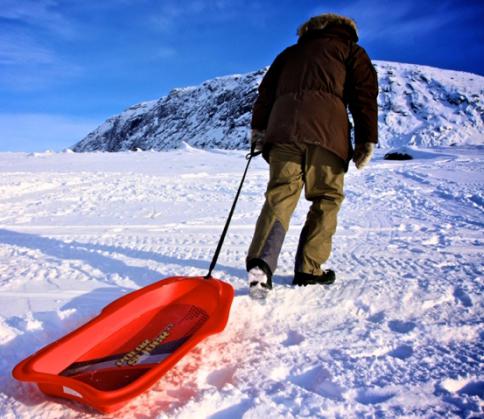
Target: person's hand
column 362, row 154
column 257, row 138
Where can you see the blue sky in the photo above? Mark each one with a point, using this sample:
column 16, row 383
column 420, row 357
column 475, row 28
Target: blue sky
column 67, row 65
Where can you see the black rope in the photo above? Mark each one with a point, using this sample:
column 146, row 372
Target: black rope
column 227, row 223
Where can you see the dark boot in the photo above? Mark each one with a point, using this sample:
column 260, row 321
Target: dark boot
column 327, row 277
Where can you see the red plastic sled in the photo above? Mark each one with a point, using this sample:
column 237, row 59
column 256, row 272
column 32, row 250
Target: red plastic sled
column 131, row 343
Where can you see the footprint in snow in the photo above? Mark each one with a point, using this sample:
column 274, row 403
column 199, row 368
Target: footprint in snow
column 377, row 317
column 293, row 338
column 453, row 390
column 318, row 380
column 461, row 386
column 400, row 326
column 402, row 352
column 373, row 396
column 462, row 297
column 473, row 388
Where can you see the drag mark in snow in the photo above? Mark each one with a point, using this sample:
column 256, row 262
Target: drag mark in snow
column 399, row 334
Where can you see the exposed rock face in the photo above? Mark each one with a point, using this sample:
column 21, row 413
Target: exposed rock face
column 418, row 105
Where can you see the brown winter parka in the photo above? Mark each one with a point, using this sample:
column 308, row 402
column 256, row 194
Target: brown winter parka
column 304, row 95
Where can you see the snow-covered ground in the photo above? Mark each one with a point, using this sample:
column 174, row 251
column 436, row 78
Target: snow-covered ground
column 400, row 333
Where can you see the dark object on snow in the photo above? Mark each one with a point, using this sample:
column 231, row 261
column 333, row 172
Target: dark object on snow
column 326, row 278
column 397, row 156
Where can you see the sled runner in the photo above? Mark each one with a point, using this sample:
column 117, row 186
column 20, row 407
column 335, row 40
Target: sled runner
column 134, row 340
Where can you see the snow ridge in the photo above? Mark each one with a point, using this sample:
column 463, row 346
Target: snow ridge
column 418, row 105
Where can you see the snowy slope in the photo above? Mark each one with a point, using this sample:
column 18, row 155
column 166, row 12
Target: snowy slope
column 398, row 335
column 418, row 105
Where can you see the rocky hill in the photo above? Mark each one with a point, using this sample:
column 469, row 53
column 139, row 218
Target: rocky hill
column 418, row 105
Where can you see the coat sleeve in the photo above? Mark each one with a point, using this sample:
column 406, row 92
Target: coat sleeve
column 361, row 92
column 262, row 107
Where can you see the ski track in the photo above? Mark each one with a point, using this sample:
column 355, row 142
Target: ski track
column 398, row 335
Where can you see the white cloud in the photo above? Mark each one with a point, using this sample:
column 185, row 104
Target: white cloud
column 30, row 10
column 34, row 69
column 44, row 14
column 18, row 48
column 174, row 12
column 39, row 132
column 27, row 63
column 28, row 58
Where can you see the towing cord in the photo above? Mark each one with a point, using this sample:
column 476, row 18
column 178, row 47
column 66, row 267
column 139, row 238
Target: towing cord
column 229, row 218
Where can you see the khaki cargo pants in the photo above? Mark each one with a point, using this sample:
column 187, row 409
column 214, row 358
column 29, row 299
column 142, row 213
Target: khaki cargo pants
column 292, row 167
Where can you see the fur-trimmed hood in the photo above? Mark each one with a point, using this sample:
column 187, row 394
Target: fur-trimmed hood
column 320, row 22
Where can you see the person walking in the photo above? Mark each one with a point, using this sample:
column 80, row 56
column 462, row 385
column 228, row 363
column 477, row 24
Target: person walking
column 300, row 125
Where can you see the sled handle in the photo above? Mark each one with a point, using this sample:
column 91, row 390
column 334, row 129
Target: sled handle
column 229, row 218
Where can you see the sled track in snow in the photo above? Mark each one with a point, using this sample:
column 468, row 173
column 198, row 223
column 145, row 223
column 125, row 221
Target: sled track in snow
column 398, row 334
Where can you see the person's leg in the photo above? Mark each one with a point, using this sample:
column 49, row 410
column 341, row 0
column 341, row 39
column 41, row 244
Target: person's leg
column 324, row 176
column 283, row 191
